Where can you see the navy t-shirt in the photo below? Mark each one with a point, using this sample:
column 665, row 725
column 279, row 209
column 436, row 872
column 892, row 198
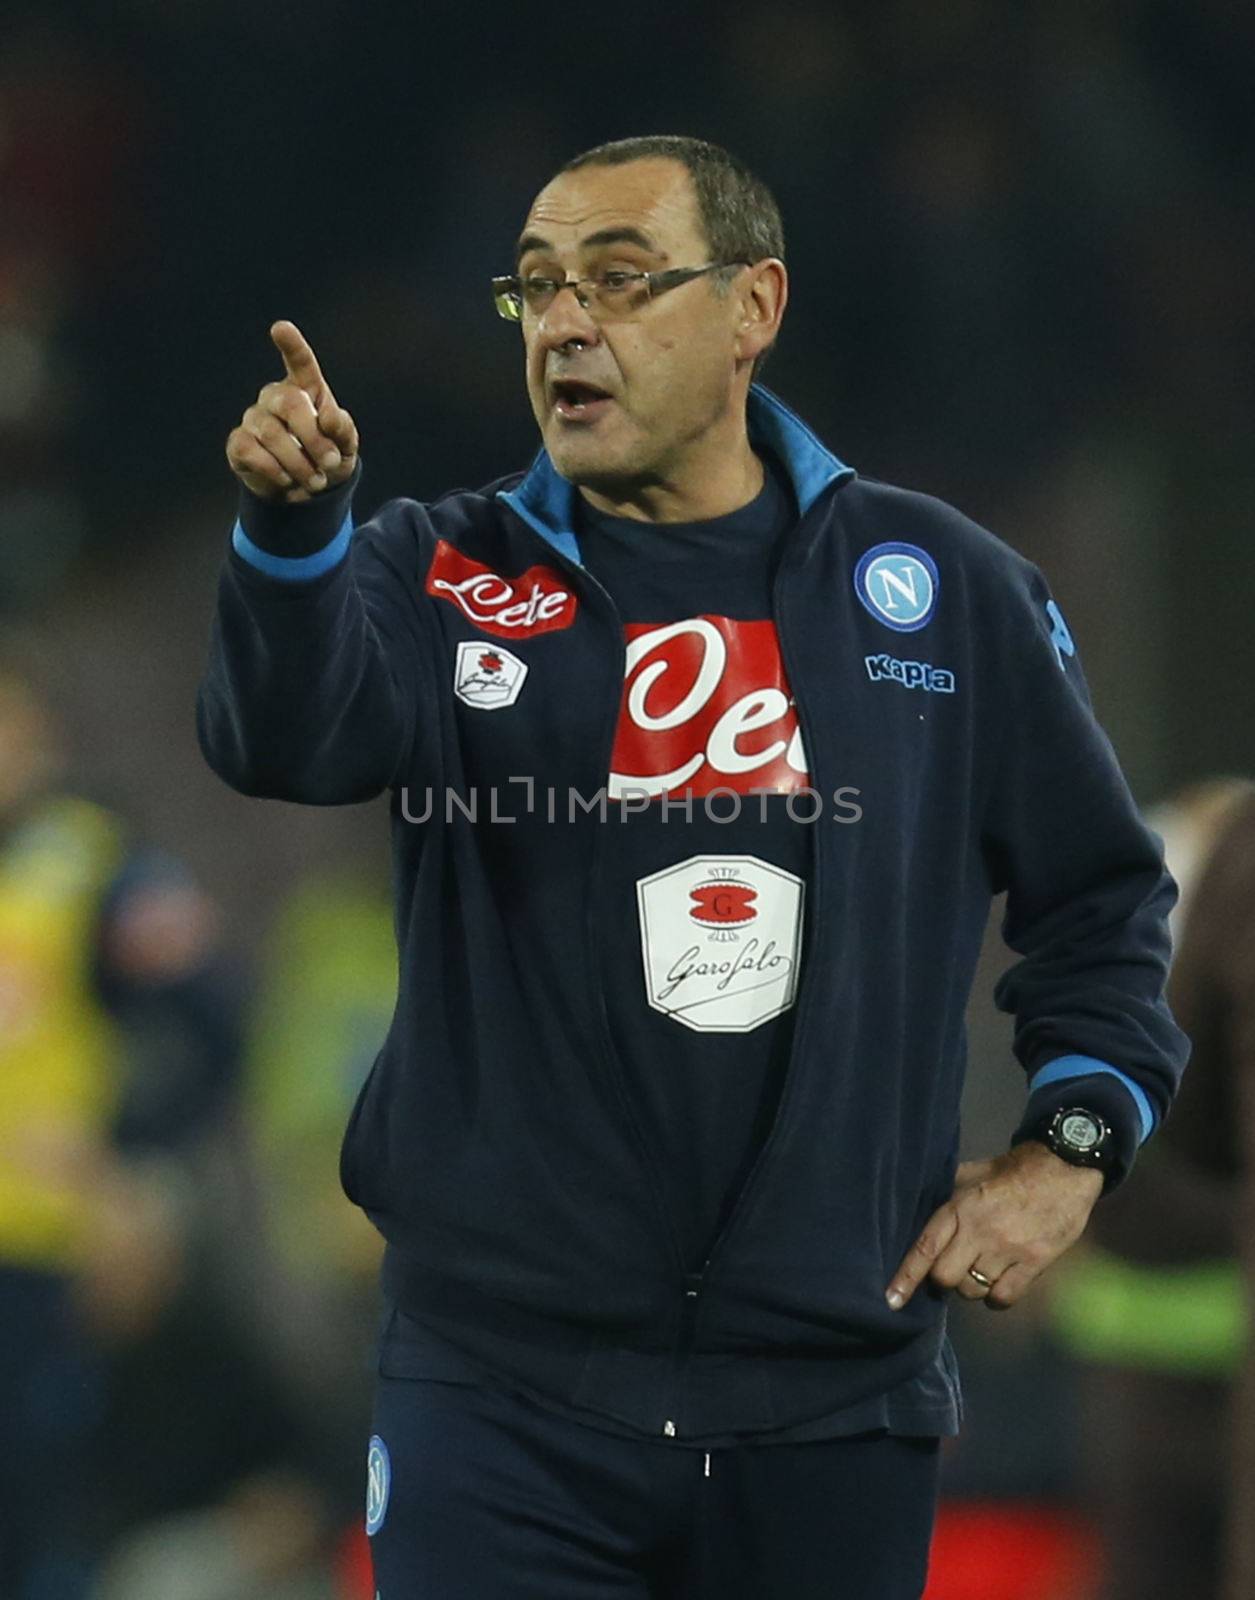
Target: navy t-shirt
column 705, row 918
column 704, row 896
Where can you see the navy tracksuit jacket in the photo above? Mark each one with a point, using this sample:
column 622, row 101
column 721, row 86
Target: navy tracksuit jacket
column 457, row 654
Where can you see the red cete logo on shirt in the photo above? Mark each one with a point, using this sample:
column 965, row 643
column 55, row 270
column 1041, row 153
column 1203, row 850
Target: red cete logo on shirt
column 535, row 602
column 706, row 705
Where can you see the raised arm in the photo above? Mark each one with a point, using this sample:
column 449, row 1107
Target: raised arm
column 315, row 659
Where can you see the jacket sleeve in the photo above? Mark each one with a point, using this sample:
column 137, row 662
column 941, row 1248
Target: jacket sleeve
column 315, row 657
column 1088, row 895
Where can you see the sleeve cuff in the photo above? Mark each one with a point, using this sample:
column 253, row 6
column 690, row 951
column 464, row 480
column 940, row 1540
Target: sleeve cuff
column 1067, row 1069
column 295, row 541
column 1082, row 1081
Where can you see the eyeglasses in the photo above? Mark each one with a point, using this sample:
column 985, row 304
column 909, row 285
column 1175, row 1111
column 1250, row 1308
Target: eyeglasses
column 611, row 294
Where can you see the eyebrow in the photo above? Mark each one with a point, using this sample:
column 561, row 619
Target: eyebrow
column 604, row 236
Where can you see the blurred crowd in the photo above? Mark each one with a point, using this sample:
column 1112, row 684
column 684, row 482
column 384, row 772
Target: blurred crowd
column 1022, row 246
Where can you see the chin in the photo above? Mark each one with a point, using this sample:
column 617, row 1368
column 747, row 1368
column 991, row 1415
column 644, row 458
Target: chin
column 605, row 464
column 583, row 461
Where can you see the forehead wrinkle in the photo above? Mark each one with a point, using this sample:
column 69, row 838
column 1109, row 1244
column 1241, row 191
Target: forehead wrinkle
column 593, row 214
column 599, row 239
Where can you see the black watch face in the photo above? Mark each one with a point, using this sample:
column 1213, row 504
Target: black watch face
column 1080, row 1131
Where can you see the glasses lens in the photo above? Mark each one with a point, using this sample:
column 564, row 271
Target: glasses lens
column 537, row 293
column 505, row 296
column 613, row 293
column 619, row 292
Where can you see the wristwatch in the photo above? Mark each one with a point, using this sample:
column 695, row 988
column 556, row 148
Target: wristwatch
column 1079, row 1137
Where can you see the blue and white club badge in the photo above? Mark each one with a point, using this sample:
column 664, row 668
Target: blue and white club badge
column 898, row 584
column 378, row 1484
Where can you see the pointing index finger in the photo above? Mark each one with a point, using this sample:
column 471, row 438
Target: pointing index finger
column 920, row 1258
column 299, row 360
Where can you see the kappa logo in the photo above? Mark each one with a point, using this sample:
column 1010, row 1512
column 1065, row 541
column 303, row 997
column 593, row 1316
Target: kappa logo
column 898, row 584
column 720, row 940
column 535, row 602
column 378, row 1484
column 487, row 676
column 910, row 674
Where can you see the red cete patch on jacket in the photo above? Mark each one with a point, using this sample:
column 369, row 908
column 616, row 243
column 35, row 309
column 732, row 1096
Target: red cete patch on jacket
column 537, row 601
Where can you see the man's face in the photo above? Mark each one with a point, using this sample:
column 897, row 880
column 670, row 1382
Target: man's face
column 667, row 366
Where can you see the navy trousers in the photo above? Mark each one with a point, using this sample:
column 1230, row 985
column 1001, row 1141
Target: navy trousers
column 477, row 1493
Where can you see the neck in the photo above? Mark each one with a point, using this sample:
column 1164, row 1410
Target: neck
column 723, row 475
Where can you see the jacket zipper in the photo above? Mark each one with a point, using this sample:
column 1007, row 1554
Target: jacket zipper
column 697, row 1280
column 694, row 1282
column 684, row 1342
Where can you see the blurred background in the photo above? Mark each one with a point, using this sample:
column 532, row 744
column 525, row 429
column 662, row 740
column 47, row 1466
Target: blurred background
column 1022, row 247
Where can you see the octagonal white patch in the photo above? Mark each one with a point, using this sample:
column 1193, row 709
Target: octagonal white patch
column 721, row 939
column 487, row 676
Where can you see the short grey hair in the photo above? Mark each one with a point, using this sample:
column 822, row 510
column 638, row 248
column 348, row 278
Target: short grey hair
column 737, row 211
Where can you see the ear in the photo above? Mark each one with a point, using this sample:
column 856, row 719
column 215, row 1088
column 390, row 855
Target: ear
column 761, row 302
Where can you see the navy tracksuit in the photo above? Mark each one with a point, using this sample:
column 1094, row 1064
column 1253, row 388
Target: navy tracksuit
column 570, row 1212
column 484, row 1493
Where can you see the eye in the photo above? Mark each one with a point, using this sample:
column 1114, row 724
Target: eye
column 538, row 291
column 617, row 278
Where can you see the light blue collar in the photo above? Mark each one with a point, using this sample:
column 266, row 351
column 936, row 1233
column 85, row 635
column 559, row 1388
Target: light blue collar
column 546, row 501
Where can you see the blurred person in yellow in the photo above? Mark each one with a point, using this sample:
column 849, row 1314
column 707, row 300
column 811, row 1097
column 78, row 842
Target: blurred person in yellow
column 325, row 991
column 1152, row 1305
column 100, row 940
column 262, row 1515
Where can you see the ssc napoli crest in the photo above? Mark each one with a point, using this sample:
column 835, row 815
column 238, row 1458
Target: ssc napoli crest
column 898, row 584
column 378, row 1484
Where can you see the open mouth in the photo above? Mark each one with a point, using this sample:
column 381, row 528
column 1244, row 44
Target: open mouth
column 577, row 401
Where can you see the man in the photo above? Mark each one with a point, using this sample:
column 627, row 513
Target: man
column 705, row 759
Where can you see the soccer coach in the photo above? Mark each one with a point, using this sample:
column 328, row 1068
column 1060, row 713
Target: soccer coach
column 705, row 758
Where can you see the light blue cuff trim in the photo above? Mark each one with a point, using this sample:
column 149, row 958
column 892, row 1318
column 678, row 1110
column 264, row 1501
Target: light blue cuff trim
column 1065, row 1067
column 294, row 567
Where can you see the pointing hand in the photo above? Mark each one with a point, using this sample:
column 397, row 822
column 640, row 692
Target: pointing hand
column 295, row 441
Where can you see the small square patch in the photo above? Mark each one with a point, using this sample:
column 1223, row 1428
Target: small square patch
column 487, row 676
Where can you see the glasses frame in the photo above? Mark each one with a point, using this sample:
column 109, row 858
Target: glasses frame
column 508, row 298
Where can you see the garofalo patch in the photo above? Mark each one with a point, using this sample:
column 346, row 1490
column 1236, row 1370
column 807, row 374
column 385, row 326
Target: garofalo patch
column 720, row 940
column 487, row 676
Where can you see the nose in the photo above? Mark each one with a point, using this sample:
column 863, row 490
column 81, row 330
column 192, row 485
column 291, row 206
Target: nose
column 564, row 319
